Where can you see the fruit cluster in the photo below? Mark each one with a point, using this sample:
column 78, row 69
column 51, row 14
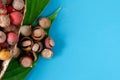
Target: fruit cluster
column 19, row 41
column 11, row 16
column 34, row 40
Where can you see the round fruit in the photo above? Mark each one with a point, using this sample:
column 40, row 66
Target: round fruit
column 12, row 38
column 37, row 47
column 38, row 33
column 26, row 61
column 26, row 30
column 16, row 17
column 5, row 54
column 2, row 37
column 44, row 23
column 18, row 4
column 47, row 53
column 49, row 43
column 26, row 43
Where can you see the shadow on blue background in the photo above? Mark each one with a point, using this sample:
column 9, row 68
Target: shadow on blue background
column 87, row 36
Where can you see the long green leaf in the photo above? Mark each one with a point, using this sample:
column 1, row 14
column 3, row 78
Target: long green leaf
column 34, row 9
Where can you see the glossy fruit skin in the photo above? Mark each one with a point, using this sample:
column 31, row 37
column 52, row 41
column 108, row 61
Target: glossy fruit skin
column 49, row 43
column 18, row 4
column 44, row 23
column 16, row 18
column 2, row 37
column 12, row 38
column 24, row 44
column 26, row 61
column 5, row 54
column 26, row 30
column 38, row 33
column 47, row 53
column 37, row 47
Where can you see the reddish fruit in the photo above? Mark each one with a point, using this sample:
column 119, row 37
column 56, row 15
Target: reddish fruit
column 16, row 18
column 12, row 38
column 49, row 43
column 10, row 9
column 3, row 10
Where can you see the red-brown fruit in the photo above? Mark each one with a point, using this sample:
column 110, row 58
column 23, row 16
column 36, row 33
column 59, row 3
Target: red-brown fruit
column 12, row 38
column 10, row 9
column 16, row 18
column 49, row 43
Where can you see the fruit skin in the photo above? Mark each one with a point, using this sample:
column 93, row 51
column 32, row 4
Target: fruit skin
column 26, row 30
column 47, row 53
column 2, row 37
column 4, row 2
column 4, row 20
column 12, row 38
column 5, row 54
column 26, row 61
column 3, row 10
column 16, row 18
column 38, row 33
column 15, row 52
column 37, row 47
column 10, row 9
column 26, row 43
column 11, row 28
column 44, row 23
column 18, row 4
column 49, row 43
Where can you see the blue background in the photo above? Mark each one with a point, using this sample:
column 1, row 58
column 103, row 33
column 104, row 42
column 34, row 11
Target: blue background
column 87, row 36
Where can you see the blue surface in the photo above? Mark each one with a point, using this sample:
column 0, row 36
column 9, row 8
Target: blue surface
column 87, row 36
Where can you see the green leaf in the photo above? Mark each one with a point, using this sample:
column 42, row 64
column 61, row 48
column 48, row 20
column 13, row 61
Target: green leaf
column 53, row 17
column 33, row 10
column 14, row 70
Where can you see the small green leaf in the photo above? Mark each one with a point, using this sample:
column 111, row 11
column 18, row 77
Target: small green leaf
column 53, row 17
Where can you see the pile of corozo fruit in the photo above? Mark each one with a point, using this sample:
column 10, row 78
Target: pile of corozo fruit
column 24, row 42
